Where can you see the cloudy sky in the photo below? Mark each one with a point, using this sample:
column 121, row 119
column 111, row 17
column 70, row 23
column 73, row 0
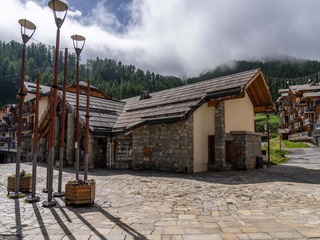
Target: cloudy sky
column 175, row 37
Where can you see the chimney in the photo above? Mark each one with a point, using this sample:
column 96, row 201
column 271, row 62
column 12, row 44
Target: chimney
column 145, row 94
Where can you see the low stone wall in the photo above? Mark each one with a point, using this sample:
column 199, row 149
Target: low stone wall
column 247, row 146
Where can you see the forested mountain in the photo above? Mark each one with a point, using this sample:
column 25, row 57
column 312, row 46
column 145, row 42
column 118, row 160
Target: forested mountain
column 114, row 78
column 121, row 81
column 279, row 73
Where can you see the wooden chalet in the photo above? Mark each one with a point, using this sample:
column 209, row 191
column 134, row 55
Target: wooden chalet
column 299, row 111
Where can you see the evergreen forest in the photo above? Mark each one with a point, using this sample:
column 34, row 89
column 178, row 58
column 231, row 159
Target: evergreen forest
column 122, row 81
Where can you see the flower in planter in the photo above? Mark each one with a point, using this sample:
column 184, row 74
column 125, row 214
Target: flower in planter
column 81, row 182
column 23, row 173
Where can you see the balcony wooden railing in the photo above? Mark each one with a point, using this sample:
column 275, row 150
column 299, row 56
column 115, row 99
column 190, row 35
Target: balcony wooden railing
column 307, row 121
column 27, row 126
column 298, row 136
column 28, row 110
column 309, row 109
column 4, row 128
column 291, row 118
column 4, row 139
column 13, row 127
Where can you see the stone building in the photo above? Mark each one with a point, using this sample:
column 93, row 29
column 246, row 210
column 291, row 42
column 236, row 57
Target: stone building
column 197, row 127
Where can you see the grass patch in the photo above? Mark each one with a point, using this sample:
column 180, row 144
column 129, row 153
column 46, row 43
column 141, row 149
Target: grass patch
column 278, row 156
column 20, row 195
column 289, row 144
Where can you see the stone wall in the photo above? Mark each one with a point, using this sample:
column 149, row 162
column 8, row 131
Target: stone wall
column 220, row 139
column 247, row 146
column 164, row 147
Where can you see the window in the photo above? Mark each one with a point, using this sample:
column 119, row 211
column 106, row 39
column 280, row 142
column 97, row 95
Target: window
column 123, row 150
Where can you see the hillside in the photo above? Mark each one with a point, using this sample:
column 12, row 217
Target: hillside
column 122, row 81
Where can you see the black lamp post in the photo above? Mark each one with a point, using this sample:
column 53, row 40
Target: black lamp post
column 58, row 8
column 78, row 43
column 27, row 30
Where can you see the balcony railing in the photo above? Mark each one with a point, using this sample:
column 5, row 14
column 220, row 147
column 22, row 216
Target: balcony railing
column 301, row 111
column 298, row 136
column 307, row 122
column 4, row 139
column 296, row 125
column 309, row 109
column 28, row 110
column 291, row 118
column 4, row 128
column 13, row 128
column 27, row 126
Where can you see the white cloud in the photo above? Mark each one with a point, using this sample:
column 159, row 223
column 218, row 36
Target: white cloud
column 180, row 37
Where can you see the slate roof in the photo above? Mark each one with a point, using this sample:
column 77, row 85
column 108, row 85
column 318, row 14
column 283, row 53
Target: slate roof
column 311, row 95
column 304, row 87
column 32, row 87
column 103, row 112
column 177, row 103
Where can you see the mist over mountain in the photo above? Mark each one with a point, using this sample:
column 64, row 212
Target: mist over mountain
column 122, row 81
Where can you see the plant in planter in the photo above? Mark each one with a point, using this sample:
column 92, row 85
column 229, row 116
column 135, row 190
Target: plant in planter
column 80, row 191
column 25, row 181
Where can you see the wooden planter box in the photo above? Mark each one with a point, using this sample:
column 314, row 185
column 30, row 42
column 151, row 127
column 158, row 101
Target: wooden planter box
column 80, row 194
column 24, row 184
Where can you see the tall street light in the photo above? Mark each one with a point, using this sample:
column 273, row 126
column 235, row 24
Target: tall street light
column 33, row 198
column 78, row 44
column 27, row 30
column 59, row 8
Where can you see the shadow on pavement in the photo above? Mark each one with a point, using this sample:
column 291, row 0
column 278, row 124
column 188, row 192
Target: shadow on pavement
column 60, row 222
column 40, row 221
column 96, row 208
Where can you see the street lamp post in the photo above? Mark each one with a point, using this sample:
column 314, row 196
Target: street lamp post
column 78, row 43
column 60, row 193
column 268, row 138
column 61, row 8
column 27, row 30
column 33, row 198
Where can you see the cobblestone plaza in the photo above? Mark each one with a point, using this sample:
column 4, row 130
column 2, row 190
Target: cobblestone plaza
column 281, row 202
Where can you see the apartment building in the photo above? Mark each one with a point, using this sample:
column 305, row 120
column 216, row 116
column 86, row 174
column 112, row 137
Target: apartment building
column 9, row 124
column 299, row 108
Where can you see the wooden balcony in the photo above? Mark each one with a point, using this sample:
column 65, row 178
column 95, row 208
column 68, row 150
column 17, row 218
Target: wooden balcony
column 296, row 125
column 13, row 128
column 3, row 128
column 291, row 117
column 4, row 139
column 27, row 126
column 308, row 109
column 307, row 121
column 298, row 136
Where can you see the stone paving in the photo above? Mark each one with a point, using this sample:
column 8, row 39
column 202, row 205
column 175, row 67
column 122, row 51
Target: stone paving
column 281, row 202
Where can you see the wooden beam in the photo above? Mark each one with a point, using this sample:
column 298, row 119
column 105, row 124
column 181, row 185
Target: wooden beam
column 213, row 103
column 267, row 108
column 216, row 102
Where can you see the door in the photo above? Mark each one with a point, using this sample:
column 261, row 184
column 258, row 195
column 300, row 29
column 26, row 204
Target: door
column 229, row 152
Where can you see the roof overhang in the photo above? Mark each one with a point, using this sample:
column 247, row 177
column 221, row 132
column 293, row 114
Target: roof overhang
column 259, row 94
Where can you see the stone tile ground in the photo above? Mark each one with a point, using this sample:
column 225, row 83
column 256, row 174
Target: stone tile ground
column 281, row 202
